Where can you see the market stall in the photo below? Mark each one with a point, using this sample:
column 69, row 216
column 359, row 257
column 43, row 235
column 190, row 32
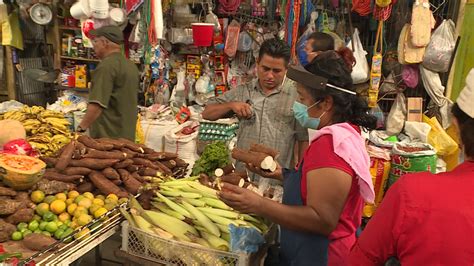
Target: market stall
column 65, row 193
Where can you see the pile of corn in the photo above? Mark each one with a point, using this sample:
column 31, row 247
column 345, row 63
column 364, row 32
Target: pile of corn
column 186, row 210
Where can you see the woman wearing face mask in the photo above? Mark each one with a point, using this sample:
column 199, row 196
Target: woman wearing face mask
column 324, row 196
column 427, row 219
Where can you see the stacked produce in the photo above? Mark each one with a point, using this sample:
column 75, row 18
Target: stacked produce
column 46, row 130
column 110, row 166
column 186, row 210
column 58, row 216
column 15, row 207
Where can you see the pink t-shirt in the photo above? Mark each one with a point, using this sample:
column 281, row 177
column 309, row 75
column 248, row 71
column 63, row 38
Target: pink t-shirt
column 320, row 154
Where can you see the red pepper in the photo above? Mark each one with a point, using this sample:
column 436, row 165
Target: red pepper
column 2, row 250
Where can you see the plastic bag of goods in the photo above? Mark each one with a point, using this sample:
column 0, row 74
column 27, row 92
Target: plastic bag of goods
column 182, row 143
column 154, row 131
column 379, row 169
column 411, row 158
column 441, row 47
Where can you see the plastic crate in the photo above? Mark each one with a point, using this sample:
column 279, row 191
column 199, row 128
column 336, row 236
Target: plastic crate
column 170, row 252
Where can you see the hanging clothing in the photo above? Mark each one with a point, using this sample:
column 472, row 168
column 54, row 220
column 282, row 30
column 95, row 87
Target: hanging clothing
column 425, row 219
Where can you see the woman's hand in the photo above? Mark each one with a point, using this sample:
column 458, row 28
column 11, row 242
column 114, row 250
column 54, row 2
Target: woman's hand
column 241, row 199
column 277, row 174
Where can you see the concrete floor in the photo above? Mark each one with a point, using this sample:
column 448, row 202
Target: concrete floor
column 107, row 250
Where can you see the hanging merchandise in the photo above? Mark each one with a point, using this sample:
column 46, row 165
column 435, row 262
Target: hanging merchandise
column 441, row 47
column 382, row 13
column 232, row 38
column 11, row 32
column 228, row 7
column 435, row 90
column 410, row 75
column 422, row 21
column 360, row 71
column 383, row 3
column 397, row 116
column 362, row 7
column 157, row 18
column 132, row 5
column 408, row 53
column 292, row 25
column 376, row 70
column 245, row 42
column 99, row 8
column 81, row 10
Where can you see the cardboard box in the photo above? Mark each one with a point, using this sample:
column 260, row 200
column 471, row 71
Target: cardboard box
column 415, row 109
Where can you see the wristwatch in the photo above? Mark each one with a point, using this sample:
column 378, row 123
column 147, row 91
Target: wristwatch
column 80, row 129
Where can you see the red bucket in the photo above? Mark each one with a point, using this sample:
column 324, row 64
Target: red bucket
column 203, row 33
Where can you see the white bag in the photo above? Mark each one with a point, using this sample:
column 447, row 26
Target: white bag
column 360, row 72
column 440, row 49
column 397, row 116
column 155, row 131
column 183, row 145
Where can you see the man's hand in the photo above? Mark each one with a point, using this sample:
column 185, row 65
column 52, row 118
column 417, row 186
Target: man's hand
column 242, row 110
column 277, row 174
column 241, row 199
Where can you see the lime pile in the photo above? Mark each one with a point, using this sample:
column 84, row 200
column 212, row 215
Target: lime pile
column 60, row 215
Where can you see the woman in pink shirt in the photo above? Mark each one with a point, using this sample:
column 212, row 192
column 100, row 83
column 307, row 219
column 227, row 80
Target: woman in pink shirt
column 323, row 198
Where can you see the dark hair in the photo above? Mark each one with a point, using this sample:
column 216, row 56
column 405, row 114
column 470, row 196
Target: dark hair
column 347, row 107
column 466, row 129
column 325, row 42
column 275, row 48
column 322, row 41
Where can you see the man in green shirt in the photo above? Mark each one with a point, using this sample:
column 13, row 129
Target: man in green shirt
column 112, row 109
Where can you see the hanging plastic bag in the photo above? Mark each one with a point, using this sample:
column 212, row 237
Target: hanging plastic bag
column 440, row 49
column 360, row 72
column 439, row 139
column 383, row 3
column 397, row 116
column 410, row 75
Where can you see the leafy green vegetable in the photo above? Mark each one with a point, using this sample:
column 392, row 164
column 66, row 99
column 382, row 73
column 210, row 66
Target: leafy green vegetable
column 215, row 155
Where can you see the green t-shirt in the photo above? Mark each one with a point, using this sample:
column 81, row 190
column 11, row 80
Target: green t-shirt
column 115, row 84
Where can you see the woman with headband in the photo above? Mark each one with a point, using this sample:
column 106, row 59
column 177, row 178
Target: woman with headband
column 324, row 196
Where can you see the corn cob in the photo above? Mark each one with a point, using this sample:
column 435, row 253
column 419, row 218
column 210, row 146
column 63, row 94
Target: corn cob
column 196, row 202
column 171, row 225
column 216, row 242
column 216, row 203
column 174, row 206
column 203, row 219
column 177, row 193
column 163, row 208
column 219, row 212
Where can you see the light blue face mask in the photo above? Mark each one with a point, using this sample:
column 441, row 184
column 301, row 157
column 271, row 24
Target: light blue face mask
column 301, row 114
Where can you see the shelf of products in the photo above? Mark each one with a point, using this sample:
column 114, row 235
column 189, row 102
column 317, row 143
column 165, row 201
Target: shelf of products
column 79, row 59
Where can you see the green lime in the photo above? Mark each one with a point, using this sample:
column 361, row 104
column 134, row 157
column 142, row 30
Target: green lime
column 58, row 234
column 23, row 230
column 22, row 226
column 42, row 225
column 48, row 216
column 78, row 199
column 49, row 199
column 51, row 227
column 37, row 218
column 17, row 236
column 59, row 223
column 37, row 231
column 33, row 225
column 27, row 232
column 63, row 227
column 46, row 233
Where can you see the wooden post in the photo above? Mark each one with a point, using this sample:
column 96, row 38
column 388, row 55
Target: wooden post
column 10, row 73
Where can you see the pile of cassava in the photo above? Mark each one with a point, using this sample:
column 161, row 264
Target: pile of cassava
column 110, row 166
column 15, row 207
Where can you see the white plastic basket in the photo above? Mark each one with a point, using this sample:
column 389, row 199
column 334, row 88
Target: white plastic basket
column 170, row 252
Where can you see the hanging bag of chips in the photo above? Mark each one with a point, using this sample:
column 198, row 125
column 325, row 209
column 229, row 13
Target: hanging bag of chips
column 376, row 70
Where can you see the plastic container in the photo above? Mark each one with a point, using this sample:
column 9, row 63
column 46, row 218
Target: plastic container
column 80, row 10
column 170, row 252
column 202, row 34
